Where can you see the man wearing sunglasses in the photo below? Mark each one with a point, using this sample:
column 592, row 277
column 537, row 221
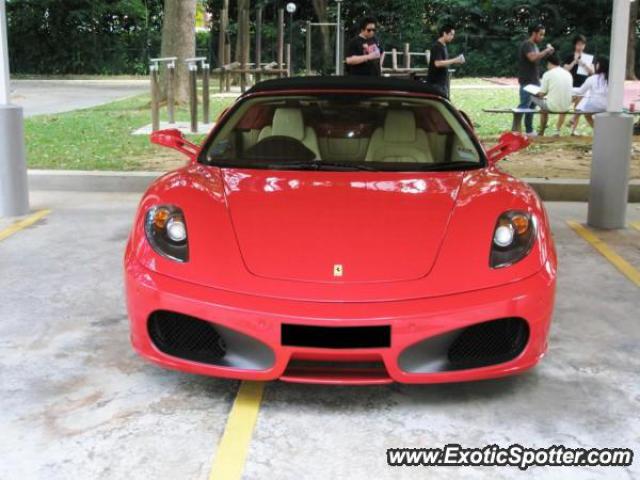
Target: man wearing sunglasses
column 364, row 52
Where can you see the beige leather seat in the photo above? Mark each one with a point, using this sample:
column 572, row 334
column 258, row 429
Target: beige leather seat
column 288, row 122
column 399, row 140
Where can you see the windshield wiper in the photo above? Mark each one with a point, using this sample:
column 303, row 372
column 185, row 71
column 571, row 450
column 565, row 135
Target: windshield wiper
column 453, row 166
column 319, row 165
column 347, row 166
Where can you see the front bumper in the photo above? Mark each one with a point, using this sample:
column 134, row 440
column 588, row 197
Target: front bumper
column 411, row 322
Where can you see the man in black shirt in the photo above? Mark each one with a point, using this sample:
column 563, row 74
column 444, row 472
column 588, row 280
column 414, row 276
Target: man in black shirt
column 439, row 62
column 364, row 51
column 529, row 57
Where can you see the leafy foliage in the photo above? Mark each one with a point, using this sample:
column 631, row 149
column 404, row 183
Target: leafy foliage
column 83, row 36
column 118, row 36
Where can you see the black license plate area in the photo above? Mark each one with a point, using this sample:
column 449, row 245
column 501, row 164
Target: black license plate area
column 336, row 337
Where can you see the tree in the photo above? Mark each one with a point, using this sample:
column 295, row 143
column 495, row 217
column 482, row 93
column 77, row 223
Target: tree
column 243, row 31
column 321, row 7
column 179, row 40
column 631, row 48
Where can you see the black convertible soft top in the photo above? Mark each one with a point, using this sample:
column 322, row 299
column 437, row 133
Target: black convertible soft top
column 346, row 82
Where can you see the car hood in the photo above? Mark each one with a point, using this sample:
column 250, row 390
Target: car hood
column 343, row 227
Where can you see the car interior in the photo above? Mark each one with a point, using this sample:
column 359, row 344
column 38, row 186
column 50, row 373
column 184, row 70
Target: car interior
column 386, row 130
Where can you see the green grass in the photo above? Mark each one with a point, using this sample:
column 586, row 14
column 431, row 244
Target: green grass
column 469, row 81
column 472, row 102
column 97, row 138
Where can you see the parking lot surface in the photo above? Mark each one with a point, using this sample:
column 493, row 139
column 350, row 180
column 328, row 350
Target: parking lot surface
column 77, row 403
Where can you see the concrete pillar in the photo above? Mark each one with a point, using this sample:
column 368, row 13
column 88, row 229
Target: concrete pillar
column 14, row 191
column 4, row 56
column 609, row 192
column 613, row 136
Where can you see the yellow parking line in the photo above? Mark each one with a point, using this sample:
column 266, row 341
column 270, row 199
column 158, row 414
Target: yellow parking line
column 636, row 225
column 234, row 445
column 607, row 252
column 24, row 223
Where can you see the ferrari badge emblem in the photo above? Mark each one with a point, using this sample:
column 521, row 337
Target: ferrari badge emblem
column 338, row 271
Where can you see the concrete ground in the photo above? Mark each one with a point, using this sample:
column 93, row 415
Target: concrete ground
column 39, row 97
column 77, row 403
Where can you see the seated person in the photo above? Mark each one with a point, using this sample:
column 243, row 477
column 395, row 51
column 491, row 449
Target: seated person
column 555, row 94
column 595, row 92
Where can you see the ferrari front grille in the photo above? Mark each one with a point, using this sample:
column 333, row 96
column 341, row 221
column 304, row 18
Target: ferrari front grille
column 489, row 343
column 186, row 337
column 201, row 341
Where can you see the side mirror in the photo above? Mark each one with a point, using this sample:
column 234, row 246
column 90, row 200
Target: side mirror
column 173, row 138
column 510, row 142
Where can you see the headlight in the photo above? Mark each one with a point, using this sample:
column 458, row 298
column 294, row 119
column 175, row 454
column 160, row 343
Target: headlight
column 166, row 232
column 513, row 238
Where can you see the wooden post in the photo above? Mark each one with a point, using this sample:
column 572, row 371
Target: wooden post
column 407, row 56
column 206, row 70
column 155, row 98
column 171, row 97
column 394, row 60
column 222, row 77
column 258, row 45
column 227, row 61
column 308, row 50
column 193, row 96
column 280, row 40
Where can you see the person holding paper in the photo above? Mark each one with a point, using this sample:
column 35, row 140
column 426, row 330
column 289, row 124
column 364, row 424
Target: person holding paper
column 555, row 94
column 580, row 65
column 529, row 57
column 439, row 62
column 364, row 52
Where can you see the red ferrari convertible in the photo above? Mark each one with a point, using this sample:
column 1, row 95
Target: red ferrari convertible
column 346, row 231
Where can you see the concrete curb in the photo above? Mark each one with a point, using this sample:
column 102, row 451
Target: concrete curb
column 557, row 190
column 93, row 181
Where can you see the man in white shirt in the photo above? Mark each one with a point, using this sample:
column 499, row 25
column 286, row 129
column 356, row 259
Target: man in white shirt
column 555, row 94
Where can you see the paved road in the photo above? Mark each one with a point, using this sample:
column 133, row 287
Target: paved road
column 39, row 97
column 78, row 403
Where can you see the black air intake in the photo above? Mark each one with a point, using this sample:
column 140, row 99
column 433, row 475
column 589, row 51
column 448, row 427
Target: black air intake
column 489, row 343
column 197, row 340
column 480, row 345
column 186, row 337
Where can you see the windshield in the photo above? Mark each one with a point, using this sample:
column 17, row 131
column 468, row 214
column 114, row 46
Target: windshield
column 343, row 132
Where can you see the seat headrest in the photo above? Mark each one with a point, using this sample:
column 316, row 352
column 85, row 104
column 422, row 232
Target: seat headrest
column 288, row 122
column 400, row 126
